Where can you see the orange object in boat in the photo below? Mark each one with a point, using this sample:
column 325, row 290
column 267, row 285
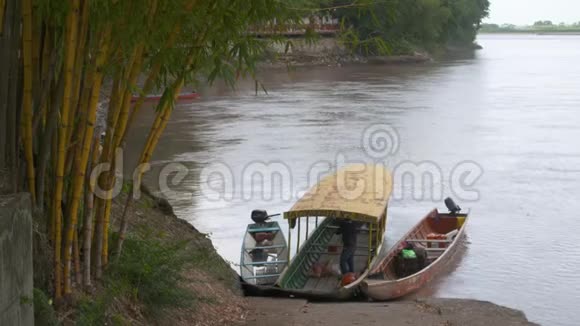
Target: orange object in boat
column 348, row 278
column 436, row 236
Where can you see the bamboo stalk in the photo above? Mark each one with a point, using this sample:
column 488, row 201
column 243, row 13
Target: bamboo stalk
column 5, row 41
column 80, row 169
column 104, row 49
column 36, row 52
column 69, row 57
column 77, row 258
column 126, row 103
column 53, row 217
column 78, row 68
column 106, row 178
column 47, row 71
column 27, row 58
column 2, row 11
column 14, row 88
column 106, row 223
column 89, row 213
column 48, row 137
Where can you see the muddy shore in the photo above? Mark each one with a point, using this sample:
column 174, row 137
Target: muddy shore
column 448, row 312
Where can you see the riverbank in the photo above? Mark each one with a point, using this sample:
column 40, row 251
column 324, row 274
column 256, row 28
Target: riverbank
column 216, row 299
column 340, row 59
column 328, row 51
column 219, row 302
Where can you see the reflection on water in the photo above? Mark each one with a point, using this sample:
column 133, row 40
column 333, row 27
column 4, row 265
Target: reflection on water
column 512, row 109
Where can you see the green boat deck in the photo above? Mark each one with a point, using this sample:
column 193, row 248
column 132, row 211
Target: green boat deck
column 299, row 276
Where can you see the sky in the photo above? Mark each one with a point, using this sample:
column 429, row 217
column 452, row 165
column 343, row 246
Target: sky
column 526, row 12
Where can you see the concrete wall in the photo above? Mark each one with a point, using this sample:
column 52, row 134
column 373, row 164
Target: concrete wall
column 16, row 306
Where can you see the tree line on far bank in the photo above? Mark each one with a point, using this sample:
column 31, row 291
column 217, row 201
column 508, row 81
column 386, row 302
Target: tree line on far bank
column 403, row 26
column 540, row 26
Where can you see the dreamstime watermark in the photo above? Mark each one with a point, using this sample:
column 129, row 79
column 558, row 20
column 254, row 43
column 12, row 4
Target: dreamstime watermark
column 268, row 181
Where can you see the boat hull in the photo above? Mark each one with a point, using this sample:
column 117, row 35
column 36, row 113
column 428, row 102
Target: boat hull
column 383, row 290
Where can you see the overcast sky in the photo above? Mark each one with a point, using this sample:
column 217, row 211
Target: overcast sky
column 526, row 12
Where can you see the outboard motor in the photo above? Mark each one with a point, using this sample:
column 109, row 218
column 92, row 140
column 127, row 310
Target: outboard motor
column 260, row 216
column 452, row 206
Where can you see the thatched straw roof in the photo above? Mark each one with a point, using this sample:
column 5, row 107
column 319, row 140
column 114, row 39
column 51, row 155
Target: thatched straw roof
column 358, row 192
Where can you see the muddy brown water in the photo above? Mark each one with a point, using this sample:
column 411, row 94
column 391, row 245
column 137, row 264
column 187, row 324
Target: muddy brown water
column 510, row 112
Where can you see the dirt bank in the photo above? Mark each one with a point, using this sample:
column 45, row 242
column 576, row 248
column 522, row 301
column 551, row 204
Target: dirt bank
column 444, row 312
column 210, row 280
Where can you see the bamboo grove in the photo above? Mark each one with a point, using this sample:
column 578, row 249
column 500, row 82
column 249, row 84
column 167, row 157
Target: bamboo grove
column 64, row 62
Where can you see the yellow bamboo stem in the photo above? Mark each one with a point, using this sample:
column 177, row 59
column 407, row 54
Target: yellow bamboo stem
column 69, row 59
column 126, row 104
column 89, row 214
column 79, row 175
column 106, row 222
column 27, row 95
column 77, row 258
column 78, row 66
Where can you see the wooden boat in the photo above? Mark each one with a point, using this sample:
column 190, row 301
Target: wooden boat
column 155, row 98
column 383, row 282
column 359, row 193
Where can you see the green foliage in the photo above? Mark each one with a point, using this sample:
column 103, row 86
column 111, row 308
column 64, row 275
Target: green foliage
column 93, row 311
column 409, row 24
column 44, row 313
column 127, row 187
column 544, row 23
column 150, row 271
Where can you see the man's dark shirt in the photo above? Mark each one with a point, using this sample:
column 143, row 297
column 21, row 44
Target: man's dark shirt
column 348, row 229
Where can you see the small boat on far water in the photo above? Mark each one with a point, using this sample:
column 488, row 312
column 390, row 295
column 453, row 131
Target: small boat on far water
column 155, row 98
column 436, row 236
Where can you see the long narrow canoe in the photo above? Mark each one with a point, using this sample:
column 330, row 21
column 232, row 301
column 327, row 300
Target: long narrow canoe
column 383, row 282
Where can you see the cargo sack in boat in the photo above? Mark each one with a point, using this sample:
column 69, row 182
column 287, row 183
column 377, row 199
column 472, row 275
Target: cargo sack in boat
column 408, row 254
column 407, row 263
column 422, row 257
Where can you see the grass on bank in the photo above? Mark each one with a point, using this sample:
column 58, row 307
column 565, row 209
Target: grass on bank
column 143, row 284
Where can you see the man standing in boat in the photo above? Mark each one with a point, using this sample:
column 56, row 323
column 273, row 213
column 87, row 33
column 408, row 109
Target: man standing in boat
column 348, row 230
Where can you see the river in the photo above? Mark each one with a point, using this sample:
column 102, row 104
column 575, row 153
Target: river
column 508, row 114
